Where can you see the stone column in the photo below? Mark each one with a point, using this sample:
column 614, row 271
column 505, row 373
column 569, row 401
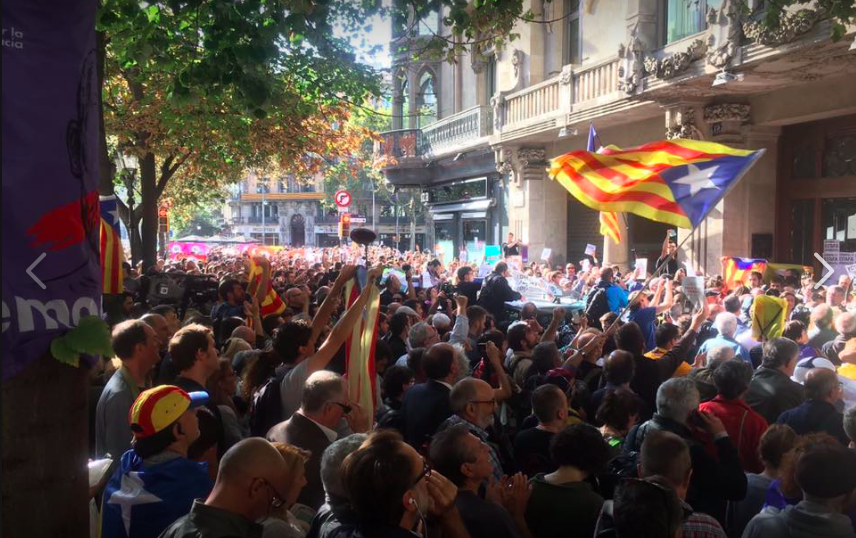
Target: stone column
column 613, row 253
column 543, row 215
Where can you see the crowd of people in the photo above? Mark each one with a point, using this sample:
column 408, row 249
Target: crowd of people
column 625, row 410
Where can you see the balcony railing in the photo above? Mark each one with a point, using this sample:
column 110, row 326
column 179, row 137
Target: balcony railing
column 401, row 145
column 532, row 102
column 458, row 130
column 595, row 82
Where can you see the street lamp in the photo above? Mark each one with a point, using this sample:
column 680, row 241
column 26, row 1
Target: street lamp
column 129, row 177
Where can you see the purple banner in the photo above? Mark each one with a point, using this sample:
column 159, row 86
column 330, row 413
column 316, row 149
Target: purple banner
column 51, row 272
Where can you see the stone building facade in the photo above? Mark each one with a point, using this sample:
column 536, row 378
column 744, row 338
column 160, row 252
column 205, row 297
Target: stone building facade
column 640, row 71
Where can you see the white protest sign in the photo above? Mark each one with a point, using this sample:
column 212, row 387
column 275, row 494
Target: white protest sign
column 851, row 270
column 641, row 268
column 694, row 289
column 591, row 250
column 690, row 270
column 545, row 254
column 585, row 264
column 831, row 245
column 484, row 270
column 832, row 258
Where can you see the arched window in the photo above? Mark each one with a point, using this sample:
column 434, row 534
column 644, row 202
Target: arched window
column 427, row 100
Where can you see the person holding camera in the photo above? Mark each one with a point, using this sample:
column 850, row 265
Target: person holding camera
column 669, row 253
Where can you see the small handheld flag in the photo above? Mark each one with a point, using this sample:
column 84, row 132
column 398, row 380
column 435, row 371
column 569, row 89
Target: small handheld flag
column 112, row 254
column 673, row 181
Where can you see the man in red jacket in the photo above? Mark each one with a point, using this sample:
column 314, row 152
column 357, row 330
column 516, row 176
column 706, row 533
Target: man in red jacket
column 744, row 426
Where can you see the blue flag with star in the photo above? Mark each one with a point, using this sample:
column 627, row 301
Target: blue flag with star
column 142, row 501
column 698, row 187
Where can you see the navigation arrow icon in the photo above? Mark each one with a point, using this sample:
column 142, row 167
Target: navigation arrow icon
column 33, row 266
column 828, row 268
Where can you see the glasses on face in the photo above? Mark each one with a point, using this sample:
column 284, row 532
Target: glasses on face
column 425, row 473
column 276, row 500
column 345, row 407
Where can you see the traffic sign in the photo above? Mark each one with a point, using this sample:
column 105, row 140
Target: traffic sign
column 342, row 198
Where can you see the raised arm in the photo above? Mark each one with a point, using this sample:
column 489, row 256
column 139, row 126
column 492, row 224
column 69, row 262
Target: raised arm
column 495, row 357
column 673, row 358
column 668, row 301
column 550, row 334
column 461, row 329
column 322, row 317
column 343, row 328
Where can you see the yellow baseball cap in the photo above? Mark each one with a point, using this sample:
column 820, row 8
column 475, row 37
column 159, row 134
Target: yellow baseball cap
column 156, row 409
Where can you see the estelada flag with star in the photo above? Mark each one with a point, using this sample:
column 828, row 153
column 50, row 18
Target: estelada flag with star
column 673, row 181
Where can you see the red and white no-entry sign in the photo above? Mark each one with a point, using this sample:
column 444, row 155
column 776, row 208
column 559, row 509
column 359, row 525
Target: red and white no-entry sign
column 342, row 198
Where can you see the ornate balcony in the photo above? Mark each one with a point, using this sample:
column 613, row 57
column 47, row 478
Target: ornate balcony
column 459, row 131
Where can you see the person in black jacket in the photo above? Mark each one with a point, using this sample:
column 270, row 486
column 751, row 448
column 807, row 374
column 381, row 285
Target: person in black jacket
column 496, row 291
column 772, row 391
column 818, row 412
column 427, row 405
column 396, row 381
column 466, row 286
column 651, row 372
column 713, row 482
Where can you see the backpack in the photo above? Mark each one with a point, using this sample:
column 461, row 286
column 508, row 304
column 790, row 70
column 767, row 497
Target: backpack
column 266, row 407
column 597, row 304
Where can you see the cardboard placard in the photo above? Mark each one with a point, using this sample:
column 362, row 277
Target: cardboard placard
column 694, row 289
column 591, row 250
column 846, row 258
column 585, row 264
column 545, row 254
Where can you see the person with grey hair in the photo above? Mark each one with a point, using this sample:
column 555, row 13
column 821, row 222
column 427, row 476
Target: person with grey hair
column 703, row 376
column 726, row 325
column 715, row 480
column 473, row 403
column 772, row 391
column 850, row 425
column 313, row 427
column 336, row 513
column 835, row 298
column 820, row 328
column 441, row 322
column 845, row 324
column 818, row 412
column 422, row 334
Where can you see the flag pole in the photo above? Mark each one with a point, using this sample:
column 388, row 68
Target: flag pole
column 649, row 279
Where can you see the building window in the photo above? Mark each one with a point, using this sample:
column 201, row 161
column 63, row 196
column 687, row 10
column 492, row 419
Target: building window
column 686, row 17
column 572, row 50
column 429, row 25
column 839, row 156
column 263, row 186
column 490, row 76
column 427, row 100
column 281, row 186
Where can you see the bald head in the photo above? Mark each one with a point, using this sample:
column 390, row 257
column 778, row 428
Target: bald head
column 246, row 334
column 161, row 327
column 250, row 459
column 822, row 384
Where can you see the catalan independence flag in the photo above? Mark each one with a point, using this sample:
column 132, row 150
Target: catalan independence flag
column 609, row 226
column 673, row 181
column 112, row 254
column 735, row 271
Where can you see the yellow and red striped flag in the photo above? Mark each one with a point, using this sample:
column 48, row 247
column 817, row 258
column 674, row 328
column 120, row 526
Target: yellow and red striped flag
column 609, row 226
column 112, row 253
column 272, row 305
column 360, row 350
column 673, row 181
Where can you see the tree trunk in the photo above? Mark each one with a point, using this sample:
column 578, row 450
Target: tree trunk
column 149, row 211
column 45, row 449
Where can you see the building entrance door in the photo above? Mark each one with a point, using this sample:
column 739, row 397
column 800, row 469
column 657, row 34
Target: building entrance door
column 816, row 189
column 444, row 234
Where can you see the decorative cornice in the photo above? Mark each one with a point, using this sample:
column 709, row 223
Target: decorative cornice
column 677, row 63
column 727, row 112
column 680, row 123
column 725, row 31
column 791, row 26
column 530, row 156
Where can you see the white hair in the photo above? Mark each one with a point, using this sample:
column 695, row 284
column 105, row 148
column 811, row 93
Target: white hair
column 726, row 324
column 441, row 321
column 677, row 398
column 718, row 355
column 419, row 334
column 846, row 323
